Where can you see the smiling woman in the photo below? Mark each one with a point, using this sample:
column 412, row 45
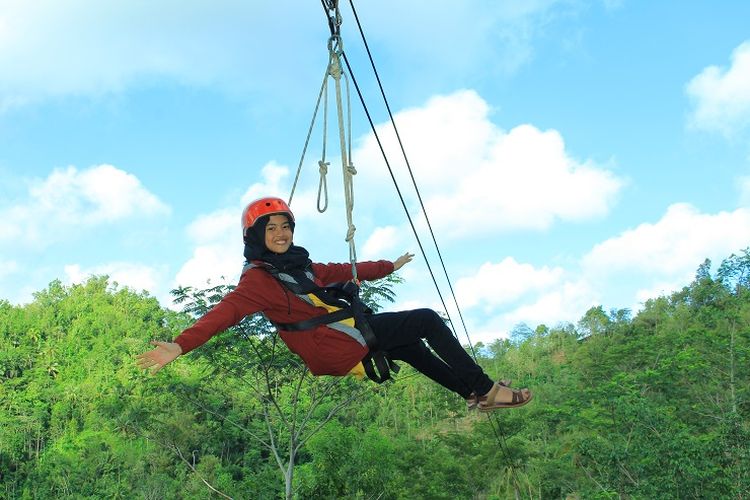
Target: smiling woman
column 124, row 125
column 279, row 227
column 326, row 325
column 278, row 234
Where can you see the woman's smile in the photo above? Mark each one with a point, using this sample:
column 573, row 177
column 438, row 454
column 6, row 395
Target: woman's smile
column 278, row 234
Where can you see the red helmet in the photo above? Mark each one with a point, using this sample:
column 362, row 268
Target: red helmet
column 264, row 206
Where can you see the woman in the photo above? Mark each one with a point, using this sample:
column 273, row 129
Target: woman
column 280, row 281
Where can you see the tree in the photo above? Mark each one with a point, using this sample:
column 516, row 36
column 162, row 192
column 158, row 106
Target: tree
column 520, row 333
column 594, row 322
column 293, row 405
column 734, row 271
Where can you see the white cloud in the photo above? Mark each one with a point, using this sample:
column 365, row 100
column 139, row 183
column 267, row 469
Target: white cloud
column 567, row 302
column 657, row 290
column 136, row 276
column 513, row 293
column 743, row 184
column 52, row 48
column 69, row 199
column 479, row 175
column 612, row 5
column 273, row 175
column 674, row 246
column 8, row 267
column 218, row 235
column 501, row 37
column 217, row 225
column 496, row 284
column 217, row 255
column 12, row 222
column 218, row 250
column 99, row 194
column 380, row 242
column 210, row 263
column 721, row 97
column 651, row 260
column 501, row 295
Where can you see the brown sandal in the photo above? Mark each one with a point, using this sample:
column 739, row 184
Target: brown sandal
column 473, row 400
column 519, row 398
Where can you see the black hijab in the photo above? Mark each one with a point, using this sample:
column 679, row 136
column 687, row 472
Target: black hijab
column 294, row 261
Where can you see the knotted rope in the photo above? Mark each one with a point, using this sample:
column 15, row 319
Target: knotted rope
column 334, row 71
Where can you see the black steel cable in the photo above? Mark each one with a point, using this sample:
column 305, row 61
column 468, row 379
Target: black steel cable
column 332, row 5
column 500, row 437
column 411, row 175
column 395, row 183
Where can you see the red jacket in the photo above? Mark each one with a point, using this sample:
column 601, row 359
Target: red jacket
column 324, row 350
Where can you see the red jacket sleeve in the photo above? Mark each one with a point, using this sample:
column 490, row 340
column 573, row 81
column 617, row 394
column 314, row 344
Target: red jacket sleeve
column 258, row 291
column 243, row 300
column 337, row 273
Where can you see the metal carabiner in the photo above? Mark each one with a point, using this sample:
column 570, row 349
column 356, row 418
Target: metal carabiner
column 334, row 16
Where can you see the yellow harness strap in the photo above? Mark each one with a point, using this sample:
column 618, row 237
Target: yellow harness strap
column 359, row 370
column 319, row 303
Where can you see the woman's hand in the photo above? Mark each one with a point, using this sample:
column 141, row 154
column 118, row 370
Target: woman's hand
column 165, row 353
column 406, row 258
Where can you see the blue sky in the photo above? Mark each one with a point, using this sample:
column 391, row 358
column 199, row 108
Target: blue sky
column 570, row 153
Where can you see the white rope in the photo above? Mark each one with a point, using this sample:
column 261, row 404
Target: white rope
column 335, row 71
column 323, row 185
column 335, row 49
column 322, row 201
column 323, row 89
column 322, row 163
column 335, row 21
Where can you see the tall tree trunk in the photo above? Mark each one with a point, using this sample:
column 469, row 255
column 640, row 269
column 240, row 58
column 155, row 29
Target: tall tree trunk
column 289, row 477
column 732, row 393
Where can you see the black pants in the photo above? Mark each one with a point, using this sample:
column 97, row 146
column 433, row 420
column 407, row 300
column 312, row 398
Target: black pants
column 400, row 334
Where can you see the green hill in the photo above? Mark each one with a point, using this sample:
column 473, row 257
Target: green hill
column 656, row 405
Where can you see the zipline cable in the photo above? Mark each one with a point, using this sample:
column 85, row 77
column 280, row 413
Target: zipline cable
column 334, row 21
column 333, row 15
column 500, row 437
column 411, row 175
column 334, row 30
column 398, row 189
column 334, row 71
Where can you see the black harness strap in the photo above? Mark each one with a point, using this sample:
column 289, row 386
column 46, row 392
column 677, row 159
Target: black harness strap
column 377, row 364
column 309, row 324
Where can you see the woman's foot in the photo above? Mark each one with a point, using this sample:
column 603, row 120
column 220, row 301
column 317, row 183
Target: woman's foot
column 473, row 401
column 502, row 396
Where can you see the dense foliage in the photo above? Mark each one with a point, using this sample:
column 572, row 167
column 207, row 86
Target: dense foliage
column 651, row 406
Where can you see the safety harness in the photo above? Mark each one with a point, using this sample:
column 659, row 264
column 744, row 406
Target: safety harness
column 346, row 313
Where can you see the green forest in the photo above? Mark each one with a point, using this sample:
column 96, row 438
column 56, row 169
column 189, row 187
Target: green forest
column 648, row 405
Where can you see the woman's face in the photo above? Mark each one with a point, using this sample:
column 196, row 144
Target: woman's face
column 278, row 234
